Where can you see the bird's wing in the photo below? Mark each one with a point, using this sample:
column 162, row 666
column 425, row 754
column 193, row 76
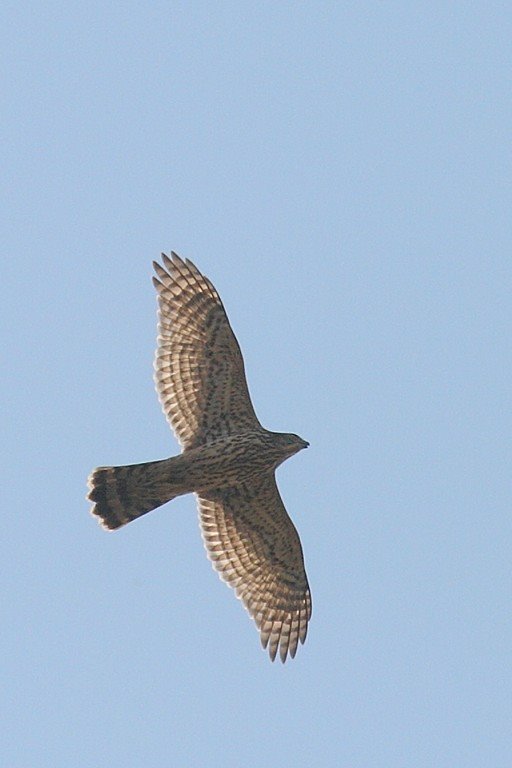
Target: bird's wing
column 256, row 549
column 199, row 369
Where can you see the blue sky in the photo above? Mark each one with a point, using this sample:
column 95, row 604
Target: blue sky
column 342, row 172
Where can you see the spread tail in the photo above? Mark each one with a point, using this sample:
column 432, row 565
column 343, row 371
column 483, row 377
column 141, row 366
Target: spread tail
column 120, row 494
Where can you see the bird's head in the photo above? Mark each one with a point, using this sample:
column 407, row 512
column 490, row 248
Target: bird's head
column 292, row 443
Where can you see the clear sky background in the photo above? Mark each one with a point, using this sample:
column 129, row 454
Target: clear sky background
column 342, row 172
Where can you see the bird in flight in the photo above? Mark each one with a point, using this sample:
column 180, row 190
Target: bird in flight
column 228, row 460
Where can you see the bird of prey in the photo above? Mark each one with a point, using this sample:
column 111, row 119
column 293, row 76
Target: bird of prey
column 228, row 459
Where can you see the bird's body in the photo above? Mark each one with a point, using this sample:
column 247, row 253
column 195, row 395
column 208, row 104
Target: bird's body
column 123, row 493
column 228, row 460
